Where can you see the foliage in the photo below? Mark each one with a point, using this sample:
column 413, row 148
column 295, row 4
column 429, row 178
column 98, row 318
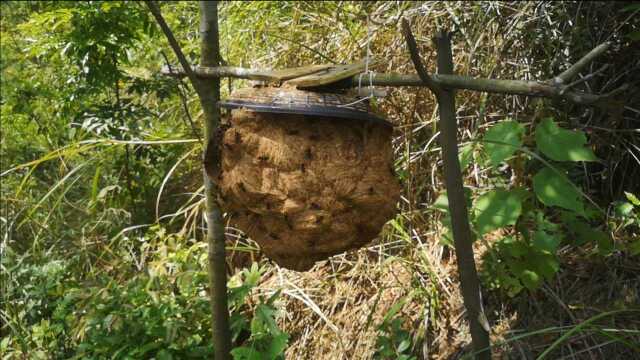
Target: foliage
column 161, row 310
column 558, row 214
column 394, row 341
column 97, row 147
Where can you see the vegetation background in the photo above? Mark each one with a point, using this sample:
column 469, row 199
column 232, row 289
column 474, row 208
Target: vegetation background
column 102, row 204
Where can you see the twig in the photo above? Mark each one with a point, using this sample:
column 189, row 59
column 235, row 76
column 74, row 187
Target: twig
column 415, row 57
column 574, row 69
column 323, row 56
column 155, row 10
column 183, row 100
column 583, row 79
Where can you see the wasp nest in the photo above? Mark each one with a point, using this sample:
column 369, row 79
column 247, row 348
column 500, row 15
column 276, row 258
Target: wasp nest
column 307, row 187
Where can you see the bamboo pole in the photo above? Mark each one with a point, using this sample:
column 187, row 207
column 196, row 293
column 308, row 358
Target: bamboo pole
column 208, row 91
column 209, row 97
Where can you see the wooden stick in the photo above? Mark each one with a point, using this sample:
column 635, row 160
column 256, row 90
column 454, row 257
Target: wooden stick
column 463, row 242
column 155, row 11
column 458, row 82
column 209, row 94
column 415, row 58
column 574, row 69
column 209, row 98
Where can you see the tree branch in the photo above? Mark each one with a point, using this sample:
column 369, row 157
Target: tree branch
column 458, row 82
column 415, row 58
column 183, row 100
column 209, row 96
column 574, row 69
column 155, row 10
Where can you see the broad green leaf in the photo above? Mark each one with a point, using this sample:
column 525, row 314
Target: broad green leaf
column 514, row 287
column 562, row 145
column 164, row 355
column 583, row 232
column 554, row 189
column 514, row 247
column 277, row 345
column 496, row 209
column 266, row 315
column 544, row 264
column 507, row 132
column 404, row 345
column 442, row 203
column 245, row 353
column 542, row 240
column 579, row 229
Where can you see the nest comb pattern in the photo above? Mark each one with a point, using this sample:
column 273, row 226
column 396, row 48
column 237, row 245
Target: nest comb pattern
column 307, row 187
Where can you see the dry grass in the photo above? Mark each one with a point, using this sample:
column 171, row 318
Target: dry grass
column 332, row 311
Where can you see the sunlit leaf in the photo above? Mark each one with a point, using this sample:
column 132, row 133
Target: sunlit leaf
column 545, row 241
column 502, row 140
column 632, row 198
column 496, row 209
column 560, row 144
column 623, row 209
column 554, row 189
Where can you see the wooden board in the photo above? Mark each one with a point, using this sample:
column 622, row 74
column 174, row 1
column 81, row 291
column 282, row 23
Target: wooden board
column 329, row 75
column 287, row 74
column 276, row 76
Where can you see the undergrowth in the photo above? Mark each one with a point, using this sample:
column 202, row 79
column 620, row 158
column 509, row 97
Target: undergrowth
column 102, row 214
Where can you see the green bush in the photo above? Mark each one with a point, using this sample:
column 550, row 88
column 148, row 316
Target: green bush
column 161, row 311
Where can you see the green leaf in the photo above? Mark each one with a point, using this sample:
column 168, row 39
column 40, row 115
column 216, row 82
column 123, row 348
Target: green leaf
column 562, row 145
column 502, row 140
column 266, row 315
column 496, row 209
column 513, row 247
column 545, row 241
column 634, row 248
column 164, row 355
column 544, row 264
column 404, row 345
column 442, row 203
column 530, row 279
column 554, row 189
column 632, row 198
column 277, row 345
column 245, row 353
column 623, row 209
column 604, row 241
column 465, row 156
column 580, row 230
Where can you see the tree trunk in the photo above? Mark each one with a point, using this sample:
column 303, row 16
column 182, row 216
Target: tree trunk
column 209, row 92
